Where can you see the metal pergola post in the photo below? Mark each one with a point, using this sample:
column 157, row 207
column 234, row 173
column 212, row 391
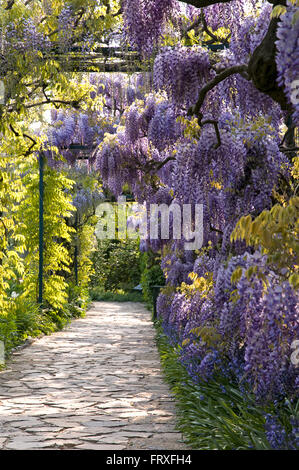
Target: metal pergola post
column 76, row 249
column 41, row 227
column 155, row 293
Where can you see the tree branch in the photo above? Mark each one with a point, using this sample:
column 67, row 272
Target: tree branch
column 286, row 150
column 161, row 164
column 213, row 229
column 193, row 25
column 119, row 12
column 201, row 20
column 10, row 4
column 27, row 137
column 41, row 103
column 210, row 33
column 204, row 3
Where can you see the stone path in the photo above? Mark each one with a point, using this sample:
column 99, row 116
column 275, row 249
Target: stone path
column 95, row 385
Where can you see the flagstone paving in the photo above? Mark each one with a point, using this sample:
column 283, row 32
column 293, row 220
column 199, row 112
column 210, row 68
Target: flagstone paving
column 95, row 385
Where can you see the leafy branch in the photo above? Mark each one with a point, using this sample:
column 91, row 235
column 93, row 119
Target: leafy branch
column 214, row 82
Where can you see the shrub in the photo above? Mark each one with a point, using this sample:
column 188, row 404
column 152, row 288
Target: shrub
column 22, row 319
column 215, row 415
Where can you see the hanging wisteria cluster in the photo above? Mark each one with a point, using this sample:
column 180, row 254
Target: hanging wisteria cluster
column 85, row 199
column 23, row 37
column 288, row 56
column 230, row 15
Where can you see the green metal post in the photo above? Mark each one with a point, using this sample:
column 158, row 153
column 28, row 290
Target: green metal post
column 76, row 249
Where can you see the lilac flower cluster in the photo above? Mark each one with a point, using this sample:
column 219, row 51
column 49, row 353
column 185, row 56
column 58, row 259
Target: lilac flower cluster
column 163, row 129
column 244, row 40
column 147, row 131
column 117, row 92
column 144, row 21
column 241, row 330
column 65, row 28
column 86, row 129
column 229, row 15
column 67, row 129
column 277, row 436
column 23, row 37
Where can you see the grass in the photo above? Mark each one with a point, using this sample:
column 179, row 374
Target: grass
column 215, row 415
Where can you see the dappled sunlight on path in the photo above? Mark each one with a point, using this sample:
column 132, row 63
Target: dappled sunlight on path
column 95, row 385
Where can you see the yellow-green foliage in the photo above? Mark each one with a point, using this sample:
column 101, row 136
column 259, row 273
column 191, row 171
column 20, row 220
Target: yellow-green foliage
column 57, row 234
column 191, row 128
column 295, row 170
column 202, row 285
column 86, row 245
column 276, row 233
column 206, row 334
column 280, row 10
column 32, row 73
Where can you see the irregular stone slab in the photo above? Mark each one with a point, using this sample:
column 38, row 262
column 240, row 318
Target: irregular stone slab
column 91, row 446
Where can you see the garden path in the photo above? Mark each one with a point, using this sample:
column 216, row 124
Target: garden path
column 95, row 385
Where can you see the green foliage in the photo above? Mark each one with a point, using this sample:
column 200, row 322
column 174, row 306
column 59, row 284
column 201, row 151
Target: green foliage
column 98, row 294
column 278, row 10
column 215, row 415
column 78, row 300
column 85, row 240
column 43, row 74
column 33, row 80
column 116, row 265
column 22, row 319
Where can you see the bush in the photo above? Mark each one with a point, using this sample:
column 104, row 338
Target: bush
column 79, row 300
column 216, row 415
column 98, row 294
column 21, row 320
